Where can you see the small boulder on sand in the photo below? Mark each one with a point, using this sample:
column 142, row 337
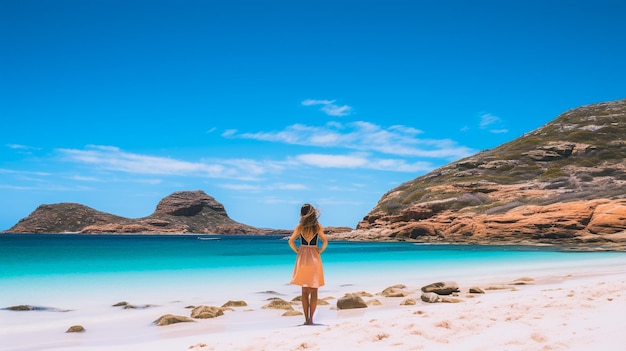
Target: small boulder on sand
column 204, row 312
column 278, row 304
column 349, row 301
column 168, row 319
column 75, row 329
column 238, row 303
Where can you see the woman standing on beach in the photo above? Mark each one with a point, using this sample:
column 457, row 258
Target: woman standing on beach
column 308, row 271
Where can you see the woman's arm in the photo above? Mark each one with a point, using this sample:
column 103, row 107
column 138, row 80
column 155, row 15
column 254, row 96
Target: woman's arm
column 292, row 239
column 323, row 238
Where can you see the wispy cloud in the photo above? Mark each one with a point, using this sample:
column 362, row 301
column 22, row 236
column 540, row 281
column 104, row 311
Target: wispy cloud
column 362, row 161
column 11, row 171
column 22, row 147
column 493, row 123
column 263, row 187
column 329, row 107
column 113, row 159
column 363, row 136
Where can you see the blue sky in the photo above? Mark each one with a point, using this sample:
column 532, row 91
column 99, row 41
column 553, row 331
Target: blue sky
column 265, row 105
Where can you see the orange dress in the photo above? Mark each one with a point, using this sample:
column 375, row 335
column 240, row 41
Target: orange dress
column 308, row 271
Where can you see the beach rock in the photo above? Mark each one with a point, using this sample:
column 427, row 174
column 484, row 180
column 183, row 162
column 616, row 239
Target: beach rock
column 448, row 299
column 408, row 302
column 21, row 308
column 235, row 304
column 523, row 281
column 430, row 297
column 321, row 302
column 394, row 291
column 292, row 313
column 204, row 312
column 135, row 307
column 168, row 319
column 350, row 301
column 441, row 288
column 34, row 308
column 373, row 302
column 278, row 304
column 476, row 290
column 362, row 294
column 76, row 329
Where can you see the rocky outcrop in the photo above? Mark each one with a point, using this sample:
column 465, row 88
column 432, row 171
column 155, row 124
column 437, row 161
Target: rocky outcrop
column 179, row 213
column 563, row 184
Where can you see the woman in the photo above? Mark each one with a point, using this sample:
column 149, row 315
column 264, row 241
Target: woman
column 308, row 271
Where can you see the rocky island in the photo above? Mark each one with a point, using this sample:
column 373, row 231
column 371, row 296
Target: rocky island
column 182, row 212
column 179, row 213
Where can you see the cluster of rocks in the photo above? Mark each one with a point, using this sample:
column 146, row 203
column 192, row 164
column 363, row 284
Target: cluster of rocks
column 446, row 292
column 431, row 293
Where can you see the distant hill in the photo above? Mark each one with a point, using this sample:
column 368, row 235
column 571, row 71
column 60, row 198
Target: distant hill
column 564, row 183
column 181, row 212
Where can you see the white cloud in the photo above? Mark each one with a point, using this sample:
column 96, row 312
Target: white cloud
column 364, row 136
column 312, row 102
column 258, row 188
column 113, row 159
column 499, row 131
column 337, row 111
column 329, row 107
column 11, row 171
column 493, row 123
column 22, row 147
column 332, row 161
column 361, row 161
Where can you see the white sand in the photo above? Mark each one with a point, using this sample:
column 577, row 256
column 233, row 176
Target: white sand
column 564, row 308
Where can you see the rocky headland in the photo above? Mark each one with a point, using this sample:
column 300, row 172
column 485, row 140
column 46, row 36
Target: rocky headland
column 564, row 184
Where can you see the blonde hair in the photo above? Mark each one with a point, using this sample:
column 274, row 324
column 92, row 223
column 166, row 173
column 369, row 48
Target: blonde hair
column 309, row 226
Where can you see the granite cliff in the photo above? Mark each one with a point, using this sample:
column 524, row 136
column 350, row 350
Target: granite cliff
column 181, row 212
column 564, row 183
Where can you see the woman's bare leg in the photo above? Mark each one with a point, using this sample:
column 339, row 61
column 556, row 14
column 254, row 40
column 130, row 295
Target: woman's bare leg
column 312, row 304
column 306, row 296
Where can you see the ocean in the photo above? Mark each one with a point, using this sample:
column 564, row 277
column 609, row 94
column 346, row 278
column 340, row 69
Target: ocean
column 48, row 269
column 77, row 279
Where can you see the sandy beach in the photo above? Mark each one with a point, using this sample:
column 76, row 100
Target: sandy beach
column 565, row 308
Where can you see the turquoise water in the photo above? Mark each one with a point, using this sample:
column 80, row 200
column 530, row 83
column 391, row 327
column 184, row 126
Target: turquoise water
column 45, row 255
column 48, row 268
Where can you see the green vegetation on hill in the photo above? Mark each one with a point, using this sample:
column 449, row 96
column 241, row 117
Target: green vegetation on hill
column 581, row 153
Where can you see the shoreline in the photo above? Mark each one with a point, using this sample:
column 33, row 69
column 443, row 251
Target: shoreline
column 350, row 237
column 564, row 308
